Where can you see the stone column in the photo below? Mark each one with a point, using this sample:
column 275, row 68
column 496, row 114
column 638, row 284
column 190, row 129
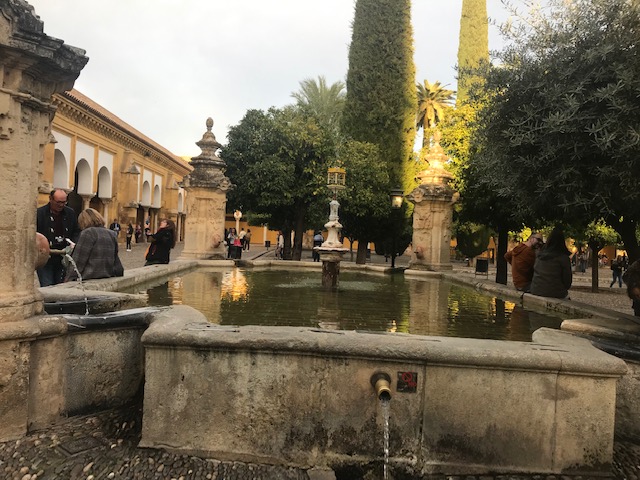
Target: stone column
column 206, row 201
column 33, row 66
column 105, row 210
column 433, row 200
column 86, row 202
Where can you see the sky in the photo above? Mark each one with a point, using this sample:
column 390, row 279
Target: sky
column 165, row 66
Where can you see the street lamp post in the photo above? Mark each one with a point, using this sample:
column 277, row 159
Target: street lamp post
column 237, row 215
column 396, row 195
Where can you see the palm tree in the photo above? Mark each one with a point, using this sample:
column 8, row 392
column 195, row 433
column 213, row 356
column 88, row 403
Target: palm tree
column 322, row 101
column 433, row 99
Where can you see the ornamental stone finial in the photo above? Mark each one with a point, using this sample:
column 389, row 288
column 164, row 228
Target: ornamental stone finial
column 208, row 167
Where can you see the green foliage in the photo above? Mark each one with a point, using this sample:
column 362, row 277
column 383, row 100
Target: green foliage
column 381, row 99
column 321, row 101
column 598, row 233
column 278, row 162
column 366, row 197
column 473, row 47
column 472, row 239
column 559, row 139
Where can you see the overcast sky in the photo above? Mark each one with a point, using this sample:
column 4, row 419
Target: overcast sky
column 164, row 66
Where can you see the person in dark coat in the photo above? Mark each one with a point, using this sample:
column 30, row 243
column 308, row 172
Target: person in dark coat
column 96, row 253
column 552, row 274
column 632, row 279
column 57, row 223
column 161, row 243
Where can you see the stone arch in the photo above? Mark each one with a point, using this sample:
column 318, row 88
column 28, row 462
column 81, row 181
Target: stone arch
column 84, row 182
column 60, row 170
column 146, row 194
column 156, row 197
column 104, row 183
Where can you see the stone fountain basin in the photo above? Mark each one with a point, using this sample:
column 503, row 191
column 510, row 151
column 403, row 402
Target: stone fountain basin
column 300, row 396
column 286, row 395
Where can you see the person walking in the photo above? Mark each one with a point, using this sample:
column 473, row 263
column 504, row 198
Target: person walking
column 161, row 243
column 616, row 270
column 59, row 224
column 247, row 240
column 522, row 258
column 318, row 239
column 231, row 239
column 280, row 245
column 129, row 236
column 552, row 275
column 241, row 236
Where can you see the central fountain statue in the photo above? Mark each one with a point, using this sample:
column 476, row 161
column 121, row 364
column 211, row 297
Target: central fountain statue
column 331, row 250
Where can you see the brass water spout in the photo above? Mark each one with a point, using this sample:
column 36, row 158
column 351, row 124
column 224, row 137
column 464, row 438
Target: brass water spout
column 381, row 383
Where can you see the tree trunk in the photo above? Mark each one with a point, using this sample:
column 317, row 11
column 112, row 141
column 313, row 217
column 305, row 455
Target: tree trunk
column 286, row 254
column 501, row 263
column 595, row 282
column 361, row 257
column 296, row 253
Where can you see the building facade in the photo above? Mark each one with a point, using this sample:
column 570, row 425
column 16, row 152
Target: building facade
column 106, row 164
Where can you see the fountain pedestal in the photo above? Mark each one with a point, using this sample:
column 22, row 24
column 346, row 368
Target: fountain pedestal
column 433, row 200
column 331, row 251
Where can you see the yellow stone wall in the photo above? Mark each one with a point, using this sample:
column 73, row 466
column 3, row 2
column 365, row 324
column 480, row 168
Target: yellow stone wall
column 120, row 172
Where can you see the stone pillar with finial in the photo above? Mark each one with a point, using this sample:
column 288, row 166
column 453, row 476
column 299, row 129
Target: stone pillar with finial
column 33, row 66
column 206, row 200
column 433, row 199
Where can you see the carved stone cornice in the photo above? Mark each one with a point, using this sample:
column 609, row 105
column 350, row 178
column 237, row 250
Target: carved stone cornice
column 430, row 191
column 25, row 47
column 100, row 123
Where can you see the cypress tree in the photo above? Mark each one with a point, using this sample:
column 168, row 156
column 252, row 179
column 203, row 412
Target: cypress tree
column 381, row 100
column 473, row 48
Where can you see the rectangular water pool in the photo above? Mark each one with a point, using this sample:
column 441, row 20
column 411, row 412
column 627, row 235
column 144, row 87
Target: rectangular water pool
column 363, row 302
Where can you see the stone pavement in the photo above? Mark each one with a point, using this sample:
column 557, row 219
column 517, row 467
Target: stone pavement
column 104, row 445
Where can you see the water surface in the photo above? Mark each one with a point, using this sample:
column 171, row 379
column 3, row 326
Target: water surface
column 364, row 302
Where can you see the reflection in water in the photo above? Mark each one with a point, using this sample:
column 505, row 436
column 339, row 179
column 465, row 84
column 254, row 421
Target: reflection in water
column 234, row 285
column 363, row 302
column 160, row 295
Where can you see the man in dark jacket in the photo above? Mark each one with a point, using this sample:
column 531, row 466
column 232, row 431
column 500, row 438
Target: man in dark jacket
column 632, row 279
column 57, row 222
column 522, row 258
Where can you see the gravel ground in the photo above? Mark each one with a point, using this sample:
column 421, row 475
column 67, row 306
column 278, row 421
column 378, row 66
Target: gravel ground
column 104, row 446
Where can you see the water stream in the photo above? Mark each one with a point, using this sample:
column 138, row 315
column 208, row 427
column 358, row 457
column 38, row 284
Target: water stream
column 385, row 403
column 75, row 268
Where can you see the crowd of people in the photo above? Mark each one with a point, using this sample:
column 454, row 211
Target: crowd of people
column 539, row 268
column 83, row 248
column 545, row 269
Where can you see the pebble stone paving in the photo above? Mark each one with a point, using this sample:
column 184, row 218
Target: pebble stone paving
column 104, row 446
